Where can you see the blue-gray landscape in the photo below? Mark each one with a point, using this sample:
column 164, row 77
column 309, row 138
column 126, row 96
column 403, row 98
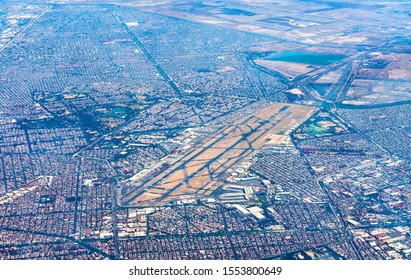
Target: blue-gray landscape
column 205, row 129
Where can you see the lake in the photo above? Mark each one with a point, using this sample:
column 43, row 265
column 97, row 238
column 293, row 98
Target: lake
column 306, row 57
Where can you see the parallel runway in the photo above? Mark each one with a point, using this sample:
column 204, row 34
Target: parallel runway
column 201, row 171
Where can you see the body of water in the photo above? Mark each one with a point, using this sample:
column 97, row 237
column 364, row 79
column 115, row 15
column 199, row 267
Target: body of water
column 306, row 57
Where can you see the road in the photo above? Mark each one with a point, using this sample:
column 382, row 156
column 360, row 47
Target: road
column 23, row 30
column 149, row 56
